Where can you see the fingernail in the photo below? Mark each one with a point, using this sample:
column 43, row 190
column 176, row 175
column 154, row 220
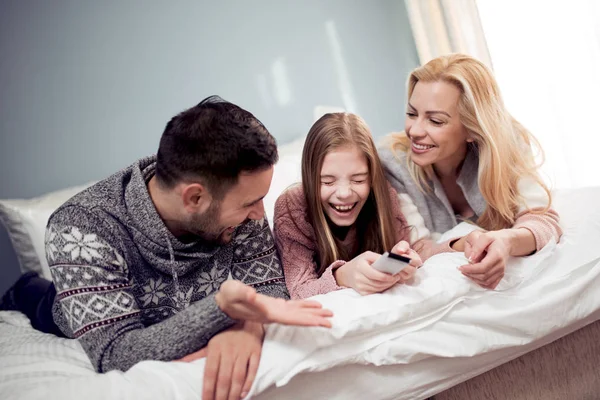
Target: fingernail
column 469, row 259
column 244, row 394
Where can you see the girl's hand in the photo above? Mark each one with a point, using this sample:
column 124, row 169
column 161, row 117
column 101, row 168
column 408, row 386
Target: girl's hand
column 360, row 276
column 402, row 248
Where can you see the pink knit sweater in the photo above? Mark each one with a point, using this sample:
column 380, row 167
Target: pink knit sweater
column 295, row 239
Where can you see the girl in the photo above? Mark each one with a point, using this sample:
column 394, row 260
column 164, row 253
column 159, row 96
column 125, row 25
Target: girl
column 462, row 156
column 332, row 227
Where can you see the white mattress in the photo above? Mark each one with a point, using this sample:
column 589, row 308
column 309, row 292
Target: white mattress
column 409, row 343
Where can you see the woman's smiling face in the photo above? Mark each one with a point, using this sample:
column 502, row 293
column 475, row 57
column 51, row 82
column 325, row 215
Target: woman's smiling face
column 433, row 125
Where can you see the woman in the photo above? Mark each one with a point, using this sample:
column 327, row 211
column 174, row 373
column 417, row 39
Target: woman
column 462, row 156
column 332, row 227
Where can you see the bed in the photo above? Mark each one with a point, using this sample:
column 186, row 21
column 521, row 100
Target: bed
column 440, row 336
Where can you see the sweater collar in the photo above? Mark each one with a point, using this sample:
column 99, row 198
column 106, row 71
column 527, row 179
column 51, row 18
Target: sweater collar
column 154, row 239
column 468, row 181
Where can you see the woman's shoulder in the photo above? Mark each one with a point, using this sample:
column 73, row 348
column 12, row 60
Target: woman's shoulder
column 388, row 152
column 395, row 166
column 393, row 159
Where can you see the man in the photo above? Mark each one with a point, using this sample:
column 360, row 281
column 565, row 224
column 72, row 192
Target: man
column 139, row 260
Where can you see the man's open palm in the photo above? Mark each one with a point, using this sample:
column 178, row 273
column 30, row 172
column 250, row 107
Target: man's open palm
column 241, row 302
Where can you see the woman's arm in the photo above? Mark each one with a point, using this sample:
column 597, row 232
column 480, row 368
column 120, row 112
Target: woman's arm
column 541, row 228
column 409, row 225
column 533, row 227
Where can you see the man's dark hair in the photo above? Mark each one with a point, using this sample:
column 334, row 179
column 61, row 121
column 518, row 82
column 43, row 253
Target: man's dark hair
column 214, row 142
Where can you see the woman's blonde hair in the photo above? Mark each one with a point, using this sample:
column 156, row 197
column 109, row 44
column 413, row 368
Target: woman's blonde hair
column 503, row 144
column 374, row 228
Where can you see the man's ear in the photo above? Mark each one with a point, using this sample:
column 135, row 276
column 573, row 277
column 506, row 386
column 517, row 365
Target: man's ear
column 195, row 198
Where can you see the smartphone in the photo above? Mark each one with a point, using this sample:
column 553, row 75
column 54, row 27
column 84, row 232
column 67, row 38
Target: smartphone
column 391, row 263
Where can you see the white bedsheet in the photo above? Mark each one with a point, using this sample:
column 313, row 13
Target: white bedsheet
column 411, row 342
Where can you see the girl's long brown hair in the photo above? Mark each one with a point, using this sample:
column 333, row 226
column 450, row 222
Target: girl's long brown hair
column 375, row 231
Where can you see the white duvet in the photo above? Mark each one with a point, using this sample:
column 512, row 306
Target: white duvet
column 410, row 342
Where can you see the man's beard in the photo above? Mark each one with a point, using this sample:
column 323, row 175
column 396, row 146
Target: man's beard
column 206, row 225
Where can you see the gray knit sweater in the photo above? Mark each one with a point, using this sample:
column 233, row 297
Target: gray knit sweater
column 434, row 208
column 435, row 211
column 128, row 290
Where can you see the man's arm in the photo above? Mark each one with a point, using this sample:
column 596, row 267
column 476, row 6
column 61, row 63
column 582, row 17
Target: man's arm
column 232, row 359
column 233, row 355
column 99, row 308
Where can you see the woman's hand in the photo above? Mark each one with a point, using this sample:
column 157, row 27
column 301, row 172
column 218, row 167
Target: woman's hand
column 359, row 275
column 402, row 248
column 487, row 253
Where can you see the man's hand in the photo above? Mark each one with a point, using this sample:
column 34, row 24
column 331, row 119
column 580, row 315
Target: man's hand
column 232, row 359
column 241, row 302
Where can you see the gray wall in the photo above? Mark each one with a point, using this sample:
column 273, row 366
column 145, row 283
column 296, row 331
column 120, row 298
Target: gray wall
column 86, row 87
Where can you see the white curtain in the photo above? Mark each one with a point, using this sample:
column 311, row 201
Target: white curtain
column 546, row 57
column 447, row 26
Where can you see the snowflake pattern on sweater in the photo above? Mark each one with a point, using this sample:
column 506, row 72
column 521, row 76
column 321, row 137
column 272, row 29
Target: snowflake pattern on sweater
column 128, row 290
column 85, row 268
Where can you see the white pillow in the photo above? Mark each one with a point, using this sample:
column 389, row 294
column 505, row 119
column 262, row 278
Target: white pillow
column 25, row 222
column 287, row 172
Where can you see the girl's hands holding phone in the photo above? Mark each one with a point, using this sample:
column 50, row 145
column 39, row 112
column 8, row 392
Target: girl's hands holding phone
column 359, row 274
column 402, row 248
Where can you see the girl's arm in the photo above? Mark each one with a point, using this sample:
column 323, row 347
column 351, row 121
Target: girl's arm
column 297, row 257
